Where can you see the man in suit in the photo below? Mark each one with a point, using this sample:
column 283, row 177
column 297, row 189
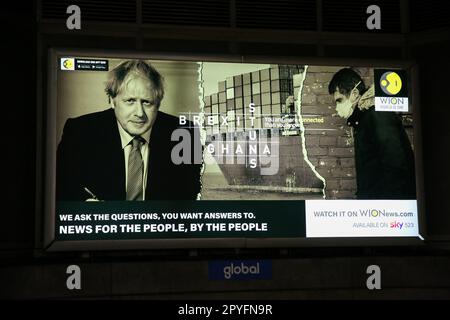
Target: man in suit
column 125, row 152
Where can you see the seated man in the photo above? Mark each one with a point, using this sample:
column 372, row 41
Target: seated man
column 124, row 152
column 383, row 155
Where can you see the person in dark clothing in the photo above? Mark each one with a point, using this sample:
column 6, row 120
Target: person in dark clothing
column 383, row 155
column 125, row 152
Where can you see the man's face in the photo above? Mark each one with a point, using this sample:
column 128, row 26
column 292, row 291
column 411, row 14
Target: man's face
column 339, row 97
column 135, row 106
column 345, row 104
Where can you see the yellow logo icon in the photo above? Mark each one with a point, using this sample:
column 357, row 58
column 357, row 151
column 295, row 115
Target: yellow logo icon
column 68, row 64
column 390, row 83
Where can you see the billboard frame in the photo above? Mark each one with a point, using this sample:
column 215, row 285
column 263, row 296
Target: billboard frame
column 46, row 154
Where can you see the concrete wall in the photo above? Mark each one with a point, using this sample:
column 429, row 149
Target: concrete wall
column 420, row 277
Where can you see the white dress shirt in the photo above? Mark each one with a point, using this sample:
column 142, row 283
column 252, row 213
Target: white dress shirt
column 125, row 139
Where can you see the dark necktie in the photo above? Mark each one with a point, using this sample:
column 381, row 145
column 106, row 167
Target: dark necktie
column 135, row 190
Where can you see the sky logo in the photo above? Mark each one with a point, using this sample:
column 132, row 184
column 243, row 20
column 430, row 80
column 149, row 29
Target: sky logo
column 240, row 270
column 396, row 224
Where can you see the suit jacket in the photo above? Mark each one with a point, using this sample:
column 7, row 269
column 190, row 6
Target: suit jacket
column 90, row 155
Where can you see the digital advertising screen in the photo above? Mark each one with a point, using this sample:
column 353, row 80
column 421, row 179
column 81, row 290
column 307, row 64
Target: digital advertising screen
column 155, row 151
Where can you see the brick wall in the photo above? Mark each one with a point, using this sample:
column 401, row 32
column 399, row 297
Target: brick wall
column 328, row 139
column 330, row 144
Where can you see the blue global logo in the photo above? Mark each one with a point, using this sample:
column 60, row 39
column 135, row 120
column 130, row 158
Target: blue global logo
column 231, row 270
column 240, row 270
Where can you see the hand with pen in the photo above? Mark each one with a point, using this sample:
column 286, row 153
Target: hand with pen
column 93, row 196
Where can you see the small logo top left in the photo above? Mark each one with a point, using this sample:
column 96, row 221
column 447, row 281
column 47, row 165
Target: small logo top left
column 67, row 64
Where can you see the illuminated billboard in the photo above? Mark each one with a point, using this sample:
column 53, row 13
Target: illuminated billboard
column 148, row 151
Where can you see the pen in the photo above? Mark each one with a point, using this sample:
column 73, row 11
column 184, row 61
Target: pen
column 90, row 193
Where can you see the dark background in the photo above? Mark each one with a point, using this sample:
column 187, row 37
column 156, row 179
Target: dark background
column 417, row 30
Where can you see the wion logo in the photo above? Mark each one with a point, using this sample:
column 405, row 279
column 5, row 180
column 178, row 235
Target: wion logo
column 68, row 64
column 391, row 91
column 391, row 83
